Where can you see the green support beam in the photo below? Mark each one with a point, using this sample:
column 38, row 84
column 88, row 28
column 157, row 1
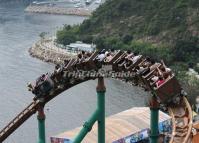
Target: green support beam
column 154, row 108
column 98, row 115
column 41, row 125
column 86, row 127
column 101, row 108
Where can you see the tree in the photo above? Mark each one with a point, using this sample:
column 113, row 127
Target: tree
column 186, row 51
column 127, row 38
column 65, row 38
column 42, row 35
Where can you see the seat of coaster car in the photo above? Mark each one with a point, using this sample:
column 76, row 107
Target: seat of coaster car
column 114, row 58
column 133, row 65
column 88, row 64
column 70, row 63
column 145, row 78
column 151, row 72
column 120, row 59
column 116, row 64
column 168, row 89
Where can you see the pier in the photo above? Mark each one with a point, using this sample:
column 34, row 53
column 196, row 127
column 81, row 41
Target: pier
column 58, row 10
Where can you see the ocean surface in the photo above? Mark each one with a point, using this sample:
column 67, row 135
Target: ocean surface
column 18, row 31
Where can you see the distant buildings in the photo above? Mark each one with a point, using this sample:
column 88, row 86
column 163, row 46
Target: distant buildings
column 80, row 46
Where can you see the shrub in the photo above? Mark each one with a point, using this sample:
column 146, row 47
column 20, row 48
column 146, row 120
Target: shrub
column 152, row 51
column 186, row 51
column 127, row 38
column 65, row 38
column 196, row 68
column 67, row 35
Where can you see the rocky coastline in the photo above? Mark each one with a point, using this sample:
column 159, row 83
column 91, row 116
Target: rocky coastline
column 47, row 51
column 58, row 10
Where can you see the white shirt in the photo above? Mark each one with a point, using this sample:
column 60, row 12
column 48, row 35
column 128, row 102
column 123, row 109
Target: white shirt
column 129, row 56
column 168, row 69
column 101, row 57
column 106, row 53
column 135, row 58
column 155, row 78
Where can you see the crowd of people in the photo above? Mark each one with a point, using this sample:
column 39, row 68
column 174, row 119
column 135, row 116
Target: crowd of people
column 153, row 74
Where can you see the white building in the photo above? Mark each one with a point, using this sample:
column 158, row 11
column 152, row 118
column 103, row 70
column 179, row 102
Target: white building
column 80, row 46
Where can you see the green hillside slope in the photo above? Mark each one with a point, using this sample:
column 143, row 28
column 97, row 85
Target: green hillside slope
column 163, row 29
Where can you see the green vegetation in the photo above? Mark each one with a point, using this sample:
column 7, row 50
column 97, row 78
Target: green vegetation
column 196, row 68
column 67, row 35
column 165, row 29
column 189, row 83
column 42, row 35
column 161, row 29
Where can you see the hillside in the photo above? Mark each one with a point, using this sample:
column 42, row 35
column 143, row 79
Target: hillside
column 165, row 29
column 149, row 20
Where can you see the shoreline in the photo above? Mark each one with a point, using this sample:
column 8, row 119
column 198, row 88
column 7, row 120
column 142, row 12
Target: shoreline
column 58, row 10
column 47, row 51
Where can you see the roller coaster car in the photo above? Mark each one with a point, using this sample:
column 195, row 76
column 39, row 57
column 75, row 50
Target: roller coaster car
column 89, row 63
column 99, row 62
column 117, row 64
column 145, row 79
column 114, row 58
column 133, row 65
column 168, row 89
column 70, row 63
column 150, row 74
column 43, row 87
column 74, row 64
column 120, row 59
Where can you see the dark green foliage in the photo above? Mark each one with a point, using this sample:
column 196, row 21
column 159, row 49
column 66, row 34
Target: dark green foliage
column 67, row 35
column 127, row 38
column 196, row 68
column 152, row 51
column 186, row 51
column 161, row 29
column 171, row 28
column 179, row 69
column 86, row 38
column 42, row 35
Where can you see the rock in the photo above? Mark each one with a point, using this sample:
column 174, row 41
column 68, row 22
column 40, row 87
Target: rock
column 42, row 52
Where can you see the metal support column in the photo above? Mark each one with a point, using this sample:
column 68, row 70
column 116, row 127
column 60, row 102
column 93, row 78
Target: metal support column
column 41, row 125
column 154, row 108
column 101, row 89
column 86, row 127
column 98, row 115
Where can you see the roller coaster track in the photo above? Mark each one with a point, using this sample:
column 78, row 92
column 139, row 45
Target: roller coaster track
column 182, row 122
column 18, row 120
column 29, row 111
column 181, row 113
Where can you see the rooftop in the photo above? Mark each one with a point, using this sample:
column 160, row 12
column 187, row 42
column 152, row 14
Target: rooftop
column 119, row 127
